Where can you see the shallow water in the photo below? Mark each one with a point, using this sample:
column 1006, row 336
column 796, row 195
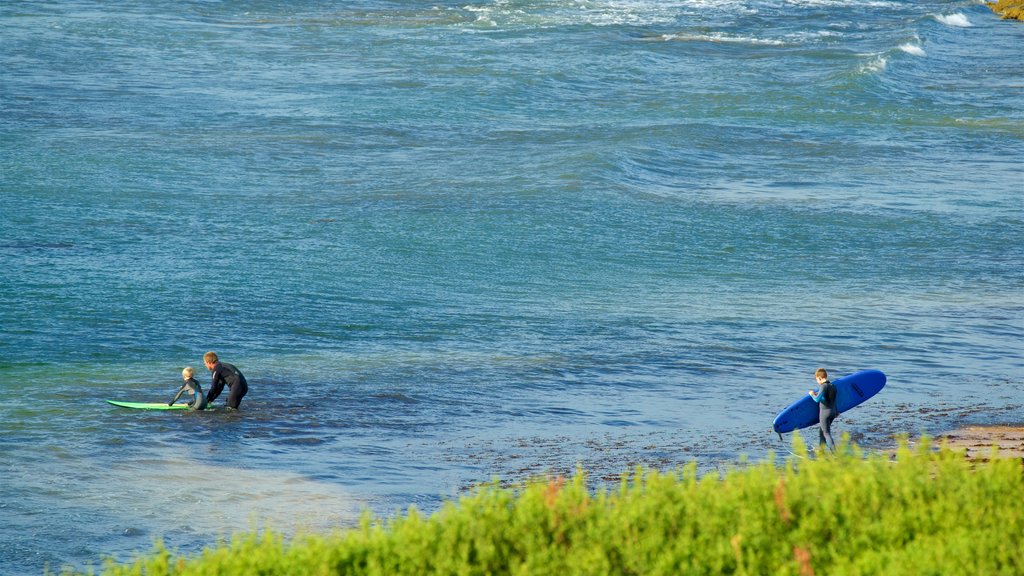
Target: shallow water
column 458, row 241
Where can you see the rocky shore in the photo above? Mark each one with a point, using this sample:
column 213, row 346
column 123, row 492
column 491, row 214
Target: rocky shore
column 1008, row 9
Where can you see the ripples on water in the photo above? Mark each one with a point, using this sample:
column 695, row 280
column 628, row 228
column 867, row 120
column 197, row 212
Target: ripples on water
column 487, row 238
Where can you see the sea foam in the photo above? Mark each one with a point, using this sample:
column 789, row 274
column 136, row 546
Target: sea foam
column 913, row 49
column 958, row 20
column 874, row 66
column 719, row 37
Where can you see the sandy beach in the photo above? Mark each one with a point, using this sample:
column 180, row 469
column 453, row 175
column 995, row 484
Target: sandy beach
column 978, row 441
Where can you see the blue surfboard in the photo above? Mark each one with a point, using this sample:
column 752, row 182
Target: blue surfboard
column 851, row 391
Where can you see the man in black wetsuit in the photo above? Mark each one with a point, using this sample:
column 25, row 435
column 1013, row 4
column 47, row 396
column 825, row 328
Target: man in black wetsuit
column 223, row 373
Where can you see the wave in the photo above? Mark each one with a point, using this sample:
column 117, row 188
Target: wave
column 561, row 13
column 844, row 3
column 877, row 63
column 959, row 20
column 874, row 66
column 913, row 49
column 723, row 38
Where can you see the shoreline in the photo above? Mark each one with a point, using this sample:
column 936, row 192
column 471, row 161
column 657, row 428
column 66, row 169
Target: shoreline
column 977, row 441
column 1008, row 9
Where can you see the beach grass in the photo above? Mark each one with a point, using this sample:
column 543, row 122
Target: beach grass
column 921, row 509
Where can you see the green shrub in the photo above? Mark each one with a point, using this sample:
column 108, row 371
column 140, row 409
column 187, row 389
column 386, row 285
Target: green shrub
column 918, row 511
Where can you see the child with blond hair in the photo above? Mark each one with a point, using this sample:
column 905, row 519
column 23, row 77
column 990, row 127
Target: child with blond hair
column 191, row 386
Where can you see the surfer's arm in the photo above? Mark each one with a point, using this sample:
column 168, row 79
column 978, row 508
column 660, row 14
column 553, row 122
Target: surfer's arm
column 216, row 385
column 816, row 395
column 178, row 395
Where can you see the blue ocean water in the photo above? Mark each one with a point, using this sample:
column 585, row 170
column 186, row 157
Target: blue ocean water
column 451, row 241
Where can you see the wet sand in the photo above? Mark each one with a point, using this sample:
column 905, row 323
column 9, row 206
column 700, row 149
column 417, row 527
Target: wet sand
column 607, row 458
column 979, row 440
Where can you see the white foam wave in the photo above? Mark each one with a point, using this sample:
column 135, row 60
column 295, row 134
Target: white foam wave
column 543, row 13
column 958, row 20
column 559, row 13
column 812, row 36
column 843, row 3
column 913, row 49
column 874, row 66
column 723, row 38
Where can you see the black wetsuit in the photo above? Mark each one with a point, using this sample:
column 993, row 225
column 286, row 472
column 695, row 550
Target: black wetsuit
column 827, row 412
column 224, row 373
column 198, row 401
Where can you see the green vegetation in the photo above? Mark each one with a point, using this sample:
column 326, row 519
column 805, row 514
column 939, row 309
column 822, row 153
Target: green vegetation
column 917, row 511
column 1011, row 9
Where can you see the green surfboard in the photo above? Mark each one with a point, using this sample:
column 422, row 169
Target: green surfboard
column 149, row 405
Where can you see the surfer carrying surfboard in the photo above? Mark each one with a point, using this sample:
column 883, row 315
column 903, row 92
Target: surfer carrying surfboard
column 223, row 373
column 198, row 401
column 825, row 396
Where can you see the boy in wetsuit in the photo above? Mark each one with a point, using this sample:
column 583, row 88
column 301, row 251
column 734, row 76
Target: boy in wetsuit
column 825, row 396
column 198, row 401
column 223, row 373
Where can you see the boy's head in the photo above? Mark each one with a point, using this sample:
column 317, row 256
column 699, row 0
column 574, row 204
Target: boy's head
column 187, row 373
column 820, row 375
column 210, row 359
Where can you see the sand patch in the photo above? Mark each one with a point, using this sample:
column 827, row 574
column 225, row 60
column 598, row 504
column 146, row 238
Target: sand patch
column 979, row 440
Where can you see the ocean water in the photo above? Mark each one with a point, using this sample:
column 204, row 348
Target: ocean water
column 453, row 241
